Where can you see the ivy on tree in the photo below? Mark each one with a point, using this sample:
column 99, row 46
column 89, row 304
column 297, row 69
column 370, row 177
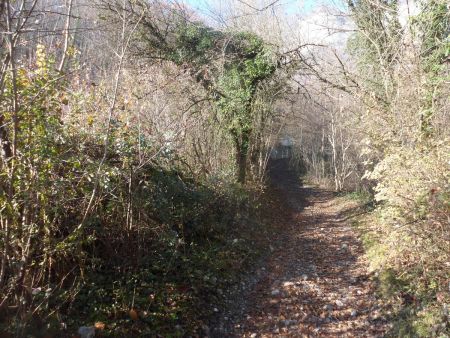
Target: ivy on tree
column 231, row 66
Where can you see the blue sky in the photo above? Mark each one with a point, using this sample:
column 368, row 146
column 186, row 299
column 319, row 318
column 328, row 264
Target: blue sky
column 290, row 6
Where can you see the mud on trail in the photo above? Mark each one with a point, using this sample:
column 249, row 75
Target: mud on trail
column 314, row 282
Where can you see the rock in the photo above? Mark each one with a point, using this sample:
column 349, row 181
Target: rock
column 276, row 330
column 287, row 284
column 253, row 335
column 304, row 277
column 313, row 319
column 275, row 292
column 35, row 291
column 216, row 309
column 344, row 246
column 353, row 313
column 86, row 331
column 339, row 303
column 206, row 330
column 288, row 322
column 328, row 307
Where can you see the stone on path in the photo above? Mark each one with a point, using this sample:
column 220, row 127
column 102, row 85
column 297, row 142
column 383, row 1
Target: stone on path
column 86, row 332
column 275, row 292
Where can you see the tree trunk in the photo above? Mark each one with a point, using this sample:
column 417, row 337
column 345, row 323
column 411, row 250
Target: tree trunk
column 241, row 144
column 241, row 163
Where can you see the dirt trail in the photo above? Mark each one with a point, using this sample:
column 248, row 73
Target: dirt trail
column 315, row 283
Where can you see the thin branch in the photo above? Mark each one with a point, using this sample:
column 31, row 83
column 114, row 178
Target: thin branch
column 66, row 37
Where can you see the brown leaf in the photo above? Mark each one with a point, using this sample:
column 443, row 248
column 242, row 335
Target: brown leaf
column 133, row 314
column 100, row 326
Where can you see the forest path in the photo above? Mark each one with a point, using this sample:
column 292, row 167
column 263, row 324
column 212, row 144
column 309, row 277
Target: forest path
column 315, row 282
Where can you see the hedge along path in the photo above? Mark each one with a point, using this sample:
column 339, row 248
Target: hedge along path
column 316, row 282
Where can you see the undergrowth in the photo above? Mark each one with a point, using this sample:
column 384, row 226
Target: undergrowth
column 166, row 277
column 413, row 301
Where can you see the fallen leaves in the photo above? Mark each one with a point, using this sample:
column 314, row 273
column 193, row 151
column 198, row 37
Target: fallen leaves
column 318, row 283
